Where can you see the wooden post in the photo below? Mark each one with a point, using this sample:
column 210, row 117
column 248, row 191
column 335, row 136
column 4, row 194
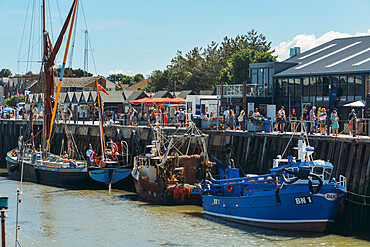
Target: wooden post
column 2, row 228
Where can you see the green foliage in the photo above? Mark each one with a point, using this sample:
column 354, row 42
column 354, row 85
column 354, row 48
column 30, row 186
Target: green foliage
column 116, row 77
column 5, row 73
column 237, row 69
column 69, row 72
column 126, row 79
column 138, row 77
column 12, row 101
column 204, row 68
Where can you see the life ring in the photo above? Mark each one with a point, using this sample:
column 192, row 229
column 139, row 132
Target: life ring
column 114, row 156
column 230, row 188
column 114, row 148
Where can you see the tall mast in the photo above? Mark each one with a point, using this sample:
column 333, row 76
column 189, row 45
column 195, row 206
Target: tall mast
column 48, row 63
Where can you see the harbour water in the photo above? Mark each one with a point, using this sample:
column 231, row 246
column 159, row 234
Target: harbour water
column 52, row 216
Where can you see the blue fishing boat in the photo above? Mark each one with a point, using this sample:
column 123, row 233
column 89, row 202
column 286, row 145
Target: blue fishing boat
column 298, row 194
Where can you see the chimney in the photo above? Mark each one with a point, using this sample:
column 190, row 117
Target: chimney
column 294, row 51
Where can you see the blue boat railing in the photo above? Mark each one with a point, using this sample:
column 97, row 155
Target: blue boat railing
column 230, row 183
column 255, row 179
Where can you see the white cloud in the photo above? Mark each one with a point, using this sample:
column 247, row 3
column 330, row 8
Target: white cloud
column 308, row 41
column 119, row 71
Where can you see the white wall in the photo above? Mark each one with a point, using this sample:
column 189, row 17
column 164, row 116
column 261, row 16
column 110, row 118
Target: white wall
column 209, row 101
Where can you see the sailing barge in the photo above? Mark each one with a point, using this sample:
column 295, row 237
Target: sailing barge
column 41, row 166
column 170, row 172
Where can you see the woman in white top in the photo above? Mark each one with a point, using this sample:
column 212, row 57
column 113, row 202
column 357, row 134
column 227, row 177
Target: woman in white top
column 322, row 120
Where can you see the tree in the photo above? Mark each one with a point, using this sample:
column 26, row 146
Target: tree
column 116, row 77
column 237, row 69
column 5, row 73
column 204, row 68
column 138, row 77
column 12, row 101
column 127, row 80
column 69, row 72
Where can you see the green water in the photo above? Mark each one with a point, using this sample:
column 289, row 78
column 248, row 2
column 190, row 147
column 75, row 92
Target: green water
column 57, row 217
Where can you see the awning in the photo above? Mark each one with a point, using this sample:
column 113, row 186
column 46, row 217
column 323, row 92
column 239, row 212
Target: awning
column 359, row 103
column 8, row 109
column 158, row 101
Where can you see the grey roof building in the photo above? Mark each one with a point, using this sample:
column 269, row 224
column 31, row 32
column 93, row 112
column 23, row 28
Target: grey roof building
column 163, row 94
column 339, row 56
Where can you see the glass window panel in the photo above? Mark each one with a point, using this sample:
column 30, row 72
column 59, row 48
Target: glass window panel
column 350, row 90
column 266, row 76
column 319, row 92
column 342, row 88
column 271, row 72
column 297, row 90
column 326, row 86
column 312, row 90
column 260, row 76
column 254, row 76
column 306, row 87
column 358, row 88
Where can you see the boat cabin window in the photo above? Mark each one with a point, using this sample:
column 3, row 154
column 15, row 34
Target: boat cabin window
column 327, row 173
column 318, row 170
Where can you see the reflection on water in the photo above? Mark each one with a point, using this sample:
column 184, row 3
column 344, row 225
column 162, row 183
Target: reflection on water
column 56, row 217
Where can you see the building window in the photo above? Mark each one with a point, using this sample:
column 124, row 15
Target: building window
column 358, row 88
column 319, row 87
column 350, row 90
column 326, row 88
column 260, row 77
column 254, row 76
column 342, row 88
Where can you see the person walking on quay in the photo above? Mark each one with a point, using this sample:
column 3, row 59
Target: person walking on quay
column 241, row 119
column 312, row 119
column 292, row 119
column 182, row 118
column 335, row 123
column 231, row 119
column 322, row 121
column 256, row 113
column 226, row 116
column 57, row 116
column 177, row 115
column 69, row 113
column 282, row 117
column 352, row 117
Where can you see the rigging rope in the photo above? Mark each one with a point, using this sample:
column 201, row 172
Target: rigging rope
column 24, row 28
column 91, row 49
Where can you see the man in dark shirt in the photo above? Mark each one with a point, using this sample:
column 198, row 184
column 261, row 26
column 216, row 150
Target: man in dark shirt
column 352, row 122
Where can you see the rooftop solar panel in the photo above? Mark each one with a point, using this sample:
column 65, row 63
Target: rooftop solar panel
column 318, row 51
column 328, row 55
column 347, row 58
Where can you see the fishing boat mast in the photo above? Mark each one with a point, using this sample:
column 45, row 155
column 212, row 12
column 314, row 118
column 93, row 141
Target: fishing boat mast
column 48, row 61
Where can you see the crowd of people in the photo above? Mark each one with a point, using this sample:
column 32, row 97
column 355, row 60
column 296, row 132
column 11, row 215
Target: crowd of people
column 316, row 120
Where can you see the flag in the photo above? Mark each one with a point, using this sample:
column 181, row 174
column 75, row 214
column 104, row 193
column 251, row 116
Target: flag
column 102, row 89
column 17, row 97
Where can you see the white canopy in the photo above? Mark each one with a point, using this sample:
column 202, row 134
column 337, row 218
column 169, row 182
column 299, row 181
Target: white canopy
column 359, row 103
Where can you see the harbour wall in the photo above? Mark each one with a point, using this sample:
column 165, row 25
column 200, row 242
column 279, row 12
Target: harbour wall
column 253, row 152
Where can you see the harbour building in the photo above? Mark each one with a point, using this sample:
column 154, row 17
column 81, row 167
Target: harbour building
column 332, row 74
column 343, row 64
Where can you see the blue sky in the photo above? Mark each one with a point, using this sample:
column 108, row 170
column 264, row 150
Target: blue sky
column 140, row 36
